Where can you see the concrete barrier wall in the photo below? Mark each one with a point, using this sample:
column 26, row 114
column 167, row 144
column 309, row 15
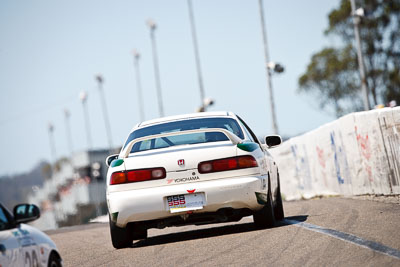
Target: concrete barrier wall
column 356, row 154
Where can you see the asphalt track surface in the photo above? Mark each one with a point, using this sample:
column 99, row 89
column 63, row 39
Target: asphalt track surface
column 318, row 232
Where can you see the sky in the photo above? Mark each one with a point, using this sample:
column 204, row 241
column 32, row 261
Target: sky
column 50, row 51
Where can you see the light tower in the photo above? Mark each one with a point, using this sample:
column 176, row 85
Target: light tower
column 136, row 57
column 100, row 81
column 52, row 142
column 269, row 80
column 67, row 115
column 83, row 97
column 203, row 107
column 357, row 14
column 152, row 25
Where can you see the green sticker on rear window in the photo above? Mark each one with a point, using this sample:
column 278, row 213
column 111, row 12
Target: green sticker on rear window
column 116, row 162
column 249, row 147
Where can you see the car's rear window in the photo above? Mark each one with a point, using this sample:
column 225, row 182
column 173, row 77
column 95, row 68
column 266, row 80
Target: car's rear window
column 176, row 126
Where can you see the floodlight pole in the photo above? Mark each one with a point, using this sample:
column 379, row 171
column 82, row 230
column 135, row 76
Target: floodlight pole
column 83, row 96
column 136, row 57
column 68, row 129
column 269, row 79
column 197, row 57
column 52, row 142
column 100, row 81
column 361, row 66
column 152, row 25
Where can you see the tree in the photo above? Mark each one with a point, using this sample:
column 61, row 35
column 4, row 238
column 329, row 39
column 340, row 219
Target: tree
column 333, row 73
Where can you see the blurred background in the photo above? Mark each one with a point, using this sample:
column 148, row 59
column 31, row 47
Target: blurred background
column 75, row 77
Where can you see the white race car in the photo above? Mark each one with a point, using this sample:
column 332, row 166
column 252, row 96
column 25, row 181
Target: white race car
column 191, row 169
column 24, row 245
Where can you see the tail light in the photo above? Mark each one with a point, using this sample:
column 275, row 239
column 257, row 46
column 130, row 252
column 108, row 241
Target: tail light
column 227, row 164
column 134, row 176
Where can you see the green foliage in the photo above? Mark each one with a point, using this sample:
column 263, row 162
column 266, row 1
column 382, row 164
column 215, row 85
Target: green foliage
column 333, row 73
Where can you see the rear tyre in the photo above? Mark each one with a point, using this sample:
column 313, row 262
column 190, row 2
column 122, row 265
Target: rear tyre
column 120, row 237
column 278, row 210
column 265, row 218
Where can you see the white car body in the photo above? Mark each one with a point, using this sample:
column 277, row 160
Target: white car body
column 208, row 197
column 24, row 245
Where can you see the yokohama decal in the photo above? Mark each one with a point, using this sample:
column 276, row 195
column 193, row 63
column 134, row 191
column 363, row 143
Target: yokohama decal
column 182, row 180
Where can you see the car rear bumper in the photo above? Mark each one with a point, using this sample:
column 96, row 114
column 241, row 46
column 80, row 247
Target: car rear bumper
column 150, row 203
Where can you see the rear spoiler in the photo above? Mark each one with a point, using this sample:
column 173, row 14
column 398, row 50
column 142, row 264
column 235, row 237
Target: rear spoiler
column 232, row 137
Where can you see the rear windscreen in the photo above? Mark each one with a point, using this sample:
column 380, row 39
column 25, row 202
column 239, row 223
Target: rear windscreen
column 177, row 126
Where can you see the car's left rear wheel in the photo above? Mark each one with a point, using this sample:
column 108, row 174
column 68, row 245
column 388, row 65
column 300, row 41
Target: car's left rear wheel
column 120, row 237
column 278, row 209
column 265, row 218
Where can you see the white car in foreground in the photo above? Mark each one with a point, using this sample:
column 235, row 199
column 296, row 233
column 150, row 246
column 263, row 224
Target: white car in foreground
column 24, row 245
column 191, row 169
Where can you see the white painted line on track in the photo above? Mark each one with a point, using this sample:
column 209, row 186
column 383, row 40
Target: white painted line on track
column 372, row 245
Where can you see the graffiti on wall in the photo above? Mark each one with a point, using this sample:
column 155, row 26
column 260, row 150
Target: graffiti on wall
column 321, row 157
column 358, row 154
column 322, row 162
column 394, row 142
column 302, row 168
column 364, row 147
column 391, row 137
column 340, row 158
